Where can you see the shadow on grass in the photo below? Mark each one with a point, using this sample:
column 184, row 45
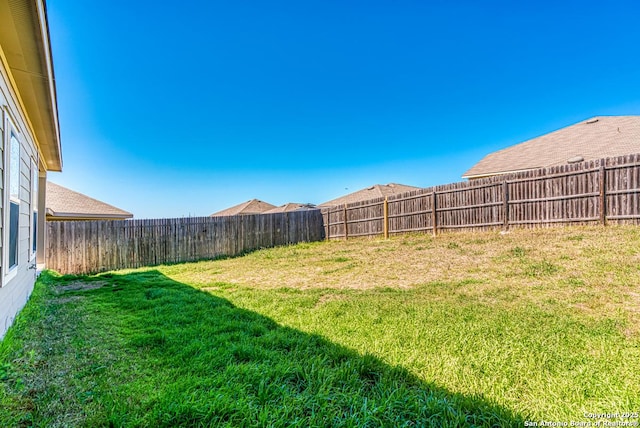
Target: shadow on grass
column 168, row 354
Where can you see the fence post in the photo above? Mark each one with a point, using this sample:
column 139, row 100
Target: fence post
column 385, row 211
column 346, row 226
column 434, row 217
column 603, row 193
column 328, row 224
column 505, row 203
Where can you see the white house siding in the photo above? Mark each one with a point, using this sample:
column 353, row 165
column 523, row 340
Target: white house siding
column 15, row 293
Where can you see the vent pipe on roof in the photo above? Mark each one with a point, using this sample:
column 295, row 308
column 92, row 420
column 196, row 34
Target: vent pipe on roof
column 575, row 159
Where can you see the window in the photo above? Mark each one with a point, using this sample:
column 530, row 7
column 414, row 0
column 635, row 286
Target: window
column 34, row 209
column 14, row 199
column 11, row 202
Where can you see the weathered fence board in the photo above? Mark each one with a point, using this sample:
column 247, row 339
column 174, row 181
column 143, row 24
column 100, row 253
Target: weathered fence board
column 596, row 192
column 96, row 246
column 601, row 191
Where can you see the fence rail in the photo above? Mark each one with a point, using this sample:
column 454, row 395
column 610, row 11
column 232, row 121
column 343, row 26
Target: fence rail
column 601, row 191
column 79, row 247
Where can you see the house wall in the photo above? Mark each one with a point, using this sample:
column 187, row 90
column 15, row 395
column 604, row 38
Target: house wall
column 15, row 292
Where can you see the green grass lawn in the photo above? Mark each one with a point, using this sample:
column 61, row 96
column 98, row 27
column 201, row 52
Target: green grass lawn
column 467, row 329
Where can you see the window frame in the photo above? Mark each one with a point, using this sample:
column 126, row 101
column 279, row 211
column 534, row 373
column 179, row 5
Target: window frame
column 11, row 133
column 34, row 214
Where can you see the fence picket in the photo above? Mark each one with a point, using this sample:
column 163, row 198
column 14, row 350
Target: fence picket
column 78, row 247
column 597, row 192
column 606, row 190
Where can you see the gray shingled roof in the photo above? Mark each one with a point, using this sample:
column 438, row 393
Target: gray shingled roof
column 63, row 204
column 291, row 206
column 595, row 138
column 375, row 191
column 254, row 206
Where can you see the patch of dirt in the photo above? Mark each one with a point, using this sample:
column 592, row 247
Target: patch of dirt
column 582, row 307
column 81, row 286
column 633, row 302
column 630, row 333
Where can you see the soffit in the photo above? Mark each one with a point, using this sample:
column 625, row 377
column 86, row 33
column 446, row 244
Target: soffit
column 24, row 38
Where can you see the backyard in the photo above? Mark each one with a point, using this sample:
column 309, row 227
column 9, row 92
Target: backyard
column 466, row 329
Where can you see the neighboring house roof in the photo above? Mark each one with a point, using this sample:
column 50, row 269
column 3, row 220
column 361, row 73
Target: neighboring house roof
column 65, row 204
column 595, row 138
column 254, row 206
column 375, row 191
column 25, row 44
column 291, row 206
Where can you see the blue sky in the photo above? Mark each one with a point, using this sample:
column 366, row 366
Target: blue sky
column 172, row 109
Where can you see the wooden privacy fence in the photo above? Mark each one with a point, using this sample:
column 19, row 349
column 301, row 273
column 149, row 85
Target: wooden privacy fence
column 78, row 247
column 601, row 191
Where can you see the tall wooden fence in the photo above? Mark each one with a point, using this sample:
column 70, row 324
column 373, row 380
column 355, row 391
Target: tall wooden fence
column 94, row 246
column 601, row 191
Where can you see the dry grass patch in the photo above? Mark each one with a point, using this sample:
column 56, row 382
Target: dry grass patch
column 588, row 269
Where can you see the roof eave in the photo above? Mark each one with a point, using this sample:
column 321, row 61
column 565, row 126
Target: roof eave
column 103, row 216
column 56, row 161
column 491, row 174
column 35, row 87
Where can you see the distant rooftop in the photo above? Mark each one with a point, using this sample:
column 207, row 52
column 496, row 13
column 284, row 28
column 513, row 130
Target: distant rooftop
column 595, row 138
column 66, row 204
column 253, row 206
column 291, row 206
column 375, row 191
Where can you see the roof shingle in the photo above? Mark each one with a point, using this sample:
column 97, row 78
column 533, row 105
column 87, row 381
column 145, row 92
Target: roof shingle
column 291, row 206
column 66, row 204
column 254, row 206
column 595, row 138
column 375, row 191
